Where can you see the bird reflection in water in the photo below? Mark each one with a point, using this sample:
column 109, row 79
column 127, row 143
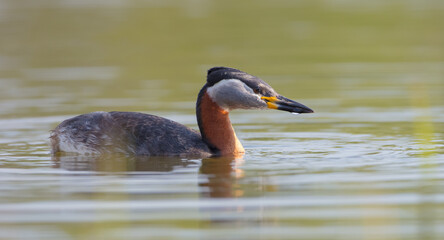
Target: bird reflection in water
column 119, row 163
column 217, row 176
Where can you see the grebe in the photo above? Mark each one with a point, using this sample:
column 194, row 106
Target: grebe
column 143, row 134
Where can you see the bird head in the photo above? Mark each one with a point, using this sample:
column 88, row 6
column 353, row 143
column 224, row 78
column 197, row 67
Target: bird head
column 233, row 89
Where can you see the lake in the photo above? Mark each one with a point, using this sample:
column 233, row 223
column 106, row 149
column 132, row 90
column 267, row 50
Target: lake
column 368, row 164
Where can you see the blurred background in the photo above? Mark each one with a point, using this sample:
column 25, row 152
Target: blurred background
column 367, row 165
column 62, row 56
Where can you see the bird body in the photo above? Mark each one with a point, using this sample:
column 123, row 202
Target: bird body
column 143, row 134
column 128, row 133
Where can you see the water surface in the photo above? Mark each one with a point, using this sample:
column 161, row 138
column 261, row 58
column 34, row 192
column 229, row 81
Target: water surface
column 367, row 165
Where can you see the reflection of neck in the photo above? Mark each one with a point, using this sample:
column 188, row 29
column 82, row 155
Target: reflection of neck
column 216, row 129
column 221, row 174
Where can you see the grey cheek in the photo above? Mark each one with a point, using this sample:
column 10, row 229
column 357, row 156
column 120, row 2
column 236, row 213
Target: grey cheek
column 238, row 98
column 260, row 104
column 226, row 99
column 250, row 102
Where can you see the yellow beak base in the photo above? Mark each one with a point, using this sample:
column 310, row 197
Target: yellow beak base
column 270, row 102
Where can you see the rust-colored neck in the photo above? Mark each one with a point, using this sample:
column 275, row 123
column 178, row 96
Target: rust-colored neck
column 216, row 129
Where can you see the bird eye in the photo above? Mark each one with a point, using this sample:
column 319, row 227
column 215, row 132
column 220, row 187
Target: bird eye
column 256, row 90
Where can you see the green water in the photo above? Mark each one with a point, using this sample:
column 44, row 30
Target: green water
column 367, row 165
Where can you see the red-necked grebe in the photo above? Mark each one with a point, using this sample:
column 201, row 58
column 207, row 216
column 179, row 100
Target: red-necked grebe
column 143, row 134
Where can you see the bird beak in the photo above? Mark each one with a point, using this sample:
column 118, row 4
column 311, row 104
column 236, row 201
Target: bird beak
column 283, row 103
